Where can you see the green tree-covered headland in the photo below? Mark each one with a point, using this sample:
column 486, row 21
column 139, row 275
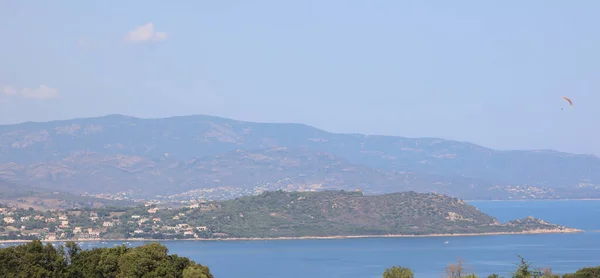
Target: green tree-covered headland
column 274, row 214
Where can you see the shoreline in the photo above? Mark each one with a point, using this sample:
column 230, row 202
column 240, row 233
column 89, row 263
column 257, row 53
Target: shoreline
column 531, row 232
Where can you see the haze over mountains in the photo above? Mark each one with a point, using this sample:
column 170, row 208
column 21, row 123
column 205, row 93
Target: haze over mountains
column 204, row 156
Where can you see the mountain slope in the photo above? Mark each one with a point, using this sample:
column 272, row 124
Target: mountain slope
column 242, row 171
column 120, row 153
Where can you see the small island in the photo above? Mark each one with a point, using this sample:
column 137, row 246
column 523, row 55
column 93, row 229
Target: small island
column 272, row 215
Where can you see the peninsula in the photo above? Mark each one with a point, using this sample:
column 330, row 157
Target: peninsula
column 272, row 215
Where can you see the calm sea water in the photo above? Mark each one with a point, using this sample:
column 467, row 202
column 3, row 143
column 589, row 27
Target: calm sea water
column 426, row 256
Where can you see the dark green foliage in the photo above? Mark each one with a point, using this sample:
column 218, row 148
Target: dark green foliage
column 398, row 272
column 97, row 262
column 32, row 260
column 523, row 270
column 152, row 260
column 587, row 272
column 196, row 271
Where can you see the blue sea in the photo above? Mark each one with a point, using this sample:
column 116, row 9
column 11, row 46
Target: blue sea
column 426, row 256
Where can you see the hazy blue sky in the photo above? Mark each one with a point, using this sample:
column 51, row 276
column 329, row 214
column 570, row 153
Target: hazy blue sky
column 489, row 72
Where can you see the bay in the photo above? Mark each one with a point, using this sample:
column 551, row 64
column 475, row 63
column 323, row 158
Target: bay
column 427, row 256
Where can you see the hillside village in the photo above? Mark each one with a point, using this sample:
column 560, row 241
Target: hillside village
column 148, row 221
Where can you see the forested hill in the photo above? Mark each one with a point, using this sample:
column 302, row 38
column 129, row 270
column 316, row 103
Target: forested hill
column 335, row 213
column 272, row 214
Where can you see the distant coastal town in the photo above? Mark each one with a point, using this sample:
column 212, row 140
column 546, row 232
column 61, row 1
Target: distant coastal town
column 87, row 224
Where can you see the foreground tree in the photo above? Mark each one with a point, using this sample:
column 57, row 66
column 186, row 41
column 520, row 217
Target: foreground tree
column 587, row 272
column 458, row 270
column 547, row 273
column 32, row 260
column 151, row 260
column 97, row 262
column 398, row 272
column 524, row 270
column 196, row 271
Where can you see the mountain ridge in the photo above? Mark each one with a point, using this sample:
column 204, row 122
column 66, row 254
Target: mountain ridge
column 131, row 140
column 222, row 118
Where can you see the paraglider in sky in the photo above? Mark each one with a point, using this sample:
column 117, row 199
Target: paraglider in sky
column 569, row 100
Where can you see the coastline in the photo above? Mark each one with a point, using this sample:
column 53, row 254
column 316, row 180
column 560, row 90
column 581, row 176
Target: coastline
column 530, row 232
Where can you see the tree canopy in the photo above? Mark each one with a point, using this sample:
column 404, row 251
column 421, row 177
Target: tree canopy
column 398, row 272
column 37, row 260
column 523, row 269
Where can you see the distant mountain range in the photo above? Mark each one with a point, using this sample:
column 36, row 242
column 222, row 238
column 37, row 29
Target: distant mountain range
column 203, row 156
